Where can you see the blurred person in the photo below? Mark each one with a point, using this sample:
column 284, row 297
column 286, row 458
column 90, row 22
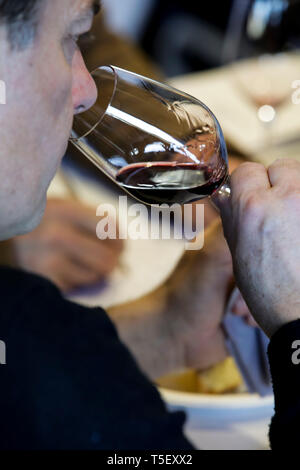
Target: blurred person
column 64, row 247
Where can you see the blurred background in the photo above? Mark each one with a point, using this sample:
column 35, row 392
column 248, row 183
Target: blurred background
column 189, row 36
column 239, row 57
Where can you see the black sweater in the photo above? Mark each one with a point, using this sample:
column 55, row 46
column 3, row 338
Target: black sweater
column 69, row 382
column 285, row 425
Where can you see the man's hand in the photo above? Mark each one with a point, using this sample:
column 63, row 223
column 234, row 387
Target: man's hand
column 197, row 300
column 262, row 225
column 179, row 325
column 65, row 248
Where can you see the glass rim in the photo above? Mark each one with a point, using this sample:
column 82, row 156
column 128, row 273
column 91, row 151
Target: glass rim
column 114, row 73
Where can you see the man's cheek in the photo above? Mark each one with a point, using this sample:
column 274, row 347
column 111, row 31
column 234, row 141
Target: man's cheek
column 61, row 100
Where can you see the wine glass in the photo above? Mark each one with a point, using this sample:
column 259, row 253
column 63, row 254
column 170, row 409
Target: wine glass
column 157, row 143
column 266, row 81
column 260, row 39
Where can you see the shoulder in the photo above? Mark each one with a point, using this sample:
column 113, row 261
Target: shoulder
column 32, row 304
column 14, row 283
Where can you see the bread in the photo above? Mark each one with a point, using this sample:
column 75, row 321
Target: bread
column 221, row 378
column 224, row 377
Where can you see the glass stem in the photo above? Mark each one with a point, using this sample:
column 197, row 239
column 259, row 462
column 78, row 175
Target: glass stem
column 222, row 194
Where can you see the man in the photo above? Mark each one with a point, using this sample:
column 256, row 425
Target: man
column 68, row 381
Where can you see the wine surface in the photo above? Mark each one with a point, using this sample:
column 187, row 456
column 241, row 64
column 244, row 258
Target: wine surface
column 171, row 182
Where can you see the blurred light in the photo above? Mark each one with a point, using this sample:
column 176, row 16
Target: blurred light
column 127, row 17
column 155, row 147
column 258, row 19
column 279, row 6
column 263, row 13
column 266, row 113
column 117, row 161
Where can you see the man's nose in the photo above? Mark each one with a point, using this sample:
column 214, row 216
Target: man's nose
column 84, row 90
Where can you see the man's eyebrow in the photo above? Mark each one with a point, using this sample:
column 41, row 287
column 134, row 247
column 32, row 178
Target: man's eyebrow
column 91, row 10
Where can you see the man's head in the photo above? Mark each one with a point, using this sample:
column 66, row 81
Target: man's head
column 21, row 18
column 46, row 84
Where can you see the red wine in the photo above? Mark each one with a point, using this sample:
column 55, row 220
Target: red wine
column 171, row 182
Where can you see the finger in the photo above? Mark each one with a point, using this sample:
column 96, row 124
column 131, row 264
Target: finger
column 234, row 162
column 69, row 275
column 240, row 308
column 104, row 263
column 81, row 216
column 251, row 322
column 226, row 216
column 74, row 212
column 248, row 178
column 86, row 250
column 114, row 244
column 285, row 172
column 210, row 352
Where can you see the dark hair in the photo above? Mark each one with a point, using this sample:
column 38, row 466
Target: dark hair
column 21, row 19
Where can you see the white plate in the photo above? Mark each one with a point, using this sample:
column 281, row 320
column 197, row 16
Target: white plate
column 228, row 422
